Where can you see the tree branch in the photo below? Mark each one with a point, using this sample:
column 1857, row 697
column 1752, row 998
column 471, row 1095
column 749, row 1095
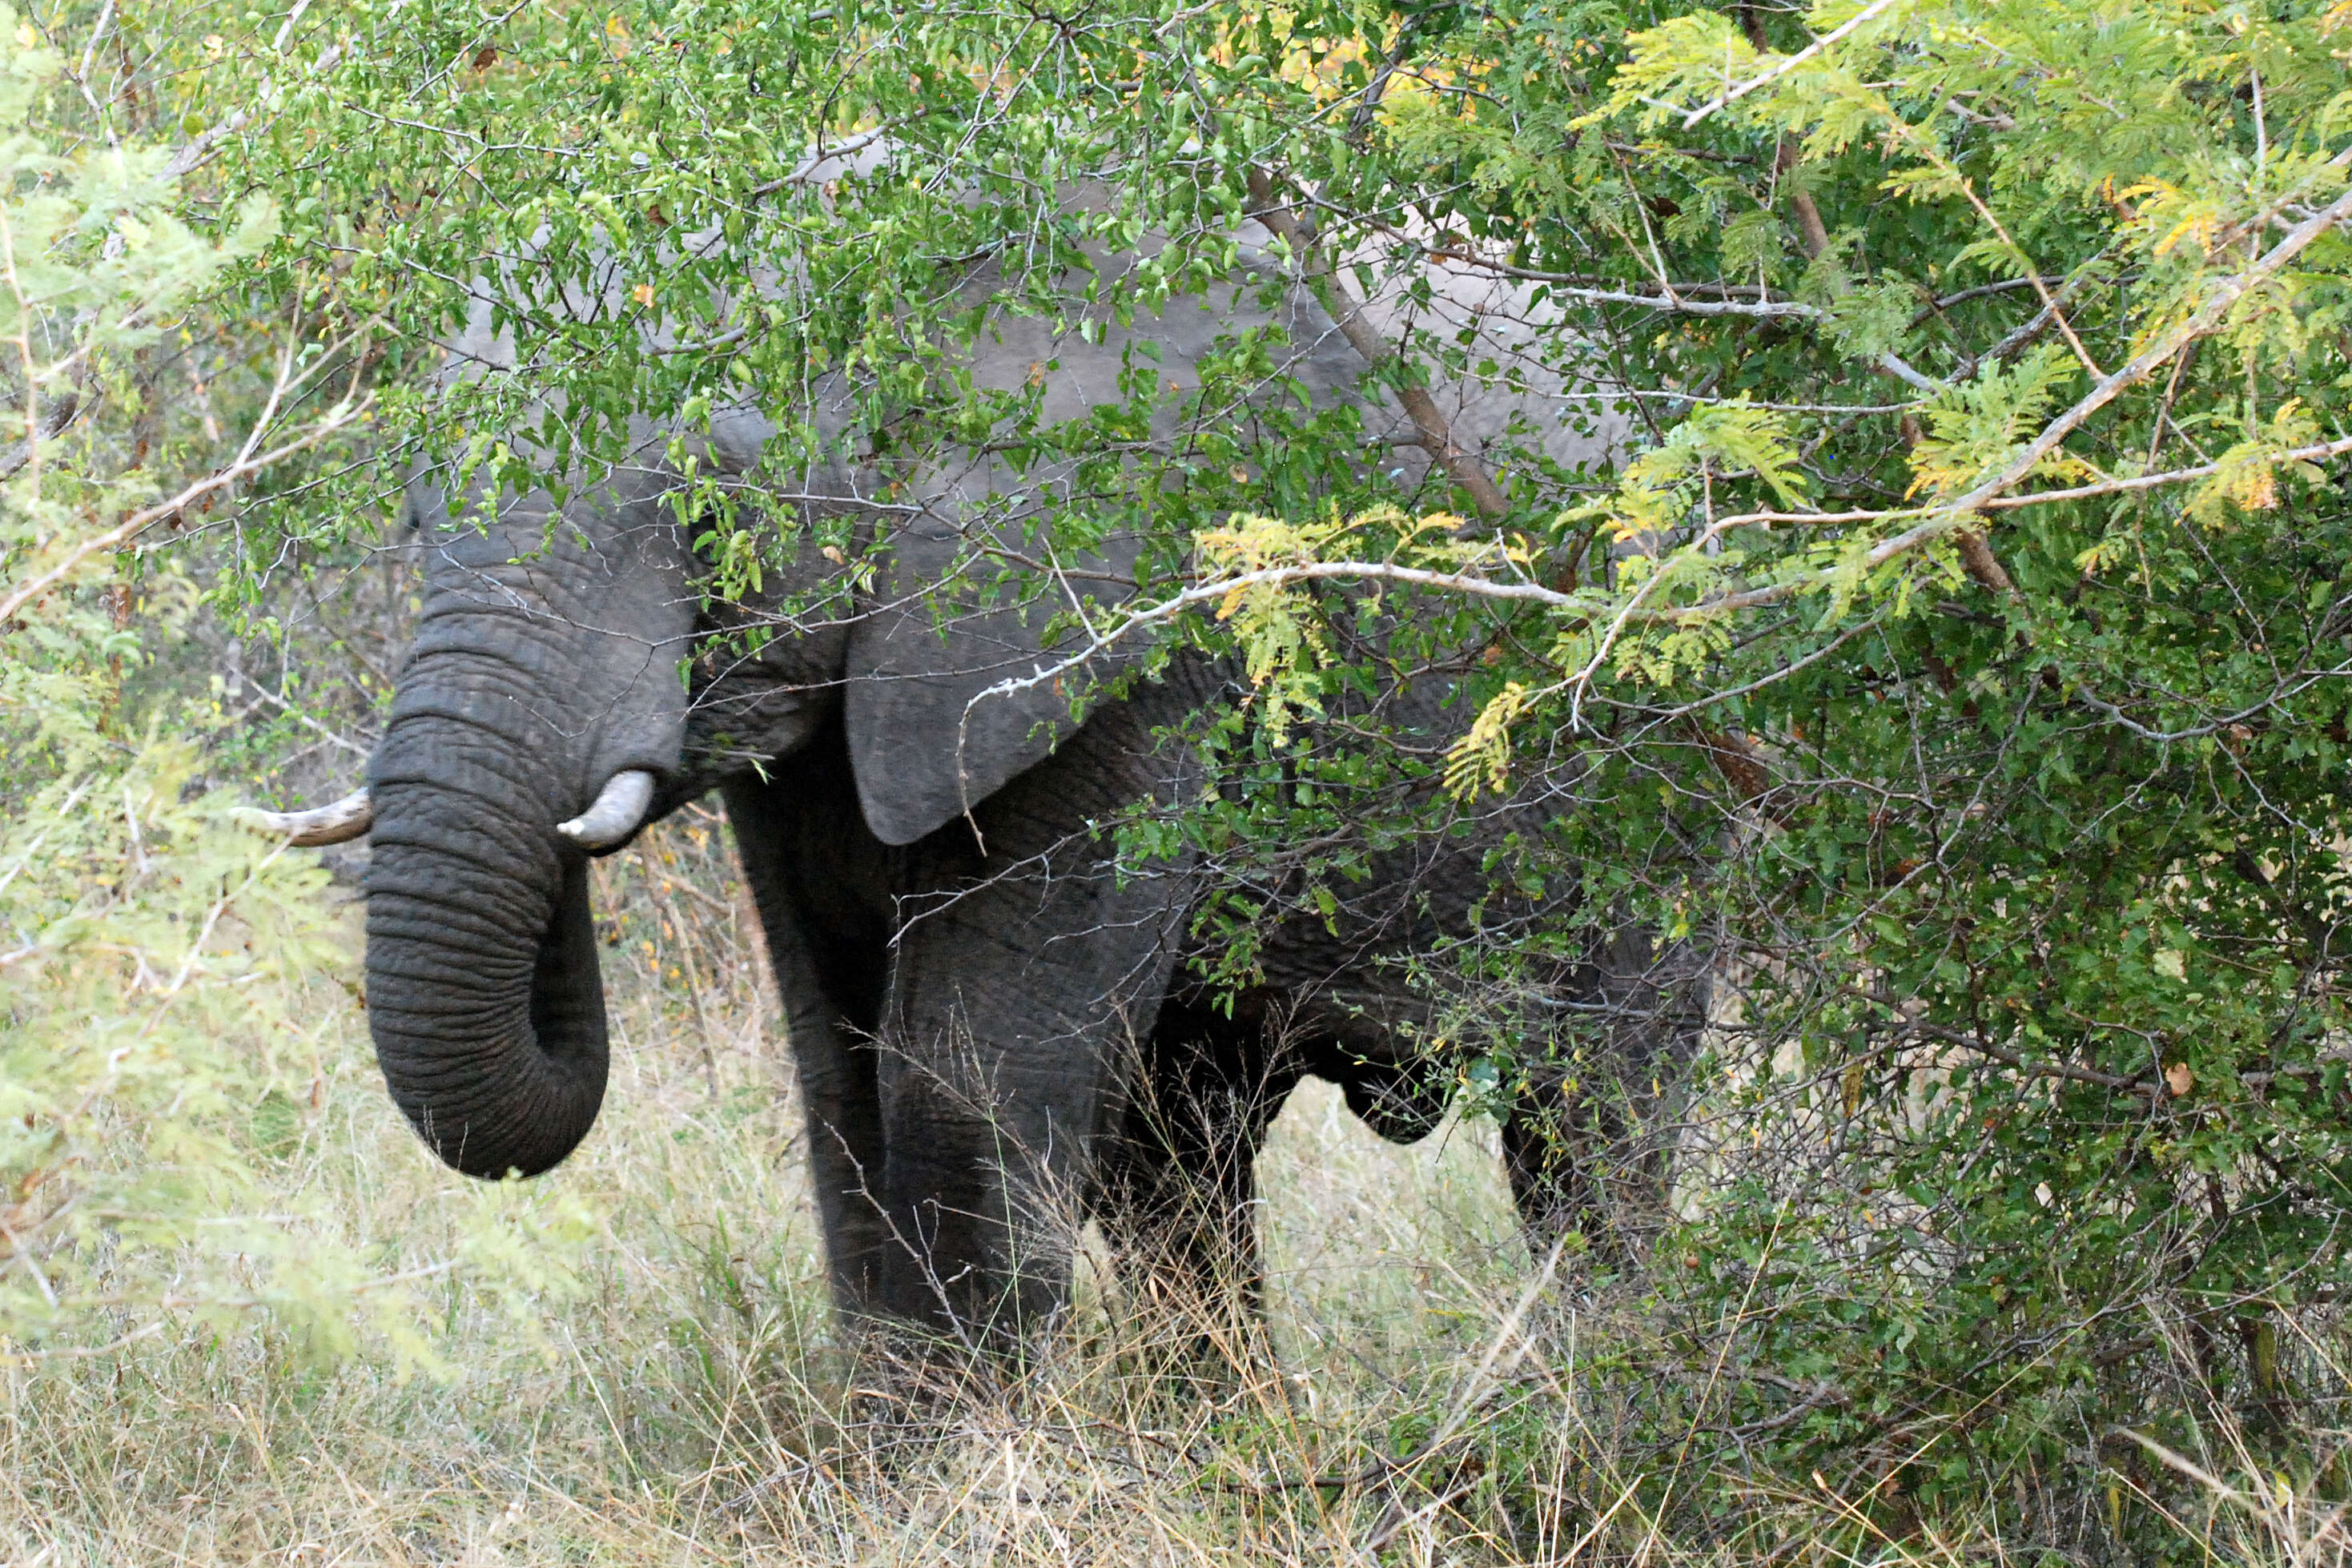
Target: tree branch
column 53, row 422
column 1436, row 433
column 1469, row 582
column 1986, row 497
column 1866, row 14
column 1812, row 234
column 335, row 420
column 1569, row 286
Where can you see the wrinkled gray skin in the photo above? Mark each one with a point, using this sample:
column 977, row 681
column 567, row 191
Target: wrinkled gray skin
column 992, row 1032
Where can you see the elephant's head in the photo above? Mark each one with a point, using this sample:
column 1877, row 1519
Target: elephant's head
column 571, row 680
column 538, row 714
column 542, row 715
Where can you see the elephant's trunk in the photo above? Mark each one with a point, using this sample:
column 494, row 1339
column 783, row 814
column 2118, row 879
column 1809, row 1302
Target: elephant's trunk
column 483, row 991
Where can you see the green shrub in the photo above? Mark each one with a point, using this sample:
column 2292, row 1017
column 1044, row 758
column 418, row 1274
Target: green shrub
column 169, row 999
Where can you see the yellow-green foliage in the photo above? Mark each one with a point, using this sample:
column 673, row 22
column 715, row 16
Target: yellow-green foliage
column 151, row 1053
column 171, row 1007
column 95, row 264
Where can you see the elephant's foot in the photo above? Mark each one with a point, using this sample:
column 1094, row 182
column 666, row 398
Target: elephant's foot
column 909, row 1387
column 1201, row 1329
column 1189, row 1296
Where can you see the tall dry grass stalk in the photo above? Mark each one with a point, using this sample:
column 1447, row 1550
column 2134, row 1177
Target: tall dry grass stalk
column 1415, row 1399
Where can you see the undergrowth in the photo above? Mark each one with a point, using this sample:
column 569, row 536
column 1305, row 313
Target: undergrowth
column 676, row 1391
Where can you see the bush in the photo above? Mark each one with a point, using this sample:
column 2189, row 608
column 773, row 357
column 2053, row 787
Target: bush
column 166, row 981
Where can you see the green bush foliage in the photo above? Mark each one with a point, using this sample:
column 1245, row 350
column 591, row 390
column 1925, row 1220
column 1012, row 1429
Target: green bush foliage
column 172, row 999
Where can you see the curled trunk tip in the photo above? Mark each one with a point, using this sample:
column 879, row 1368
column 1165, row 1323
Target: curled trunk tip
column 484, row 999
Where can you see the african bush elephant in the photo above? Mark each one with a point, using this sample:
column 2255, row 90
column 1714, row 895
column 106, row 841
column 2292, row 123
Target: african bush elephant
column 993, row 1020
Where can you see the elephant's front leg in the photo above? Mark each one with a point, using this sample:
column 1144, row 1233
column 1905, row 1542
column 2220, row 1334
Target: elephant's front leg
column 821, row 882
column 1026, row 969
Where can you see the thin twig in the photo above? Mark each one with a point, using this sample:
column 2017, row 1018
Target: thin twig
column 252, row 463
column 1469, row 582
column 52, row 425
column 1867, row 14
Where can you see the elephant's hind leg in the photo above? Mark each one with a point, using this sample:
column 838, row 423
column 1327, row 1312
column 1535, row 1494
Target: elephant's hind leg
column 1178, row 1188
column 1573, row 1168
column 1589, row 1142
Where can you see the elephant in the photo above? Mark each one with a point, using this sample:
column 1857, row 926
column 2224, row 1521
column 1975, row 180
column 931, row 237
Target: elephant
column 996, row 1019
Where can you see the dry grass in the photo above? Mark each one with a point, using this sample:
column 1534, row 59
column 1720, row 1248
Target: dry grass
column 682, row 1399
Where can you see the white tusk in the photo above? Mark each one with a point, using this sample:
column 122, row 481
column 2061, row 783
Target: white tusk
column 349, row 818
column 617, row 813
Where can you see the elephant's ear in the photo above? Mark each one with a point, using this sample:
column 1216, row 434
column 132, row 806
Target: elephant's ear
column 938, row 717
column 941, row 704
